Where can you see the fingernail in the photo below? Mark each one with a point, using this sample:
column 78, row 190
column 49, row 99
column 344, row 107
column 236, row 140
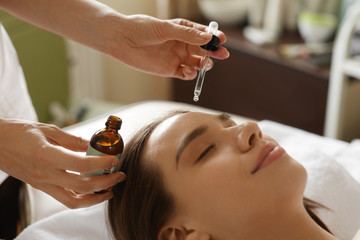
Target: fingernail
column 205, row 35
column 228, row 54
column 109, row 195
column 121, row 176
column 188, row 70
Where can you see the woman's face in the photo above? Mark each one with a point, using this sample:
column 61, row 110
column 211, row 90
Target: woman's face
column 223, row 175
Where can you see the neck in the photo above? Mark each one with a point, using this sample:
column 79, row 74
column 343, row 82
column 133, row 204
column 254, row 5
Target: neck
column 295, row 225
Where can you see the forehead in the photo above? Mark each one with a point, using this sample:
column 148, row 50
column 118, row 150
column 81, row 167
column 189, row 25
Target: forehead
column 182, row 123
column 166, row 137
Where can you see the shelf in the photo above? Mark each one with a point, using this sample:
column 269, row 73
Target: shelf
column 236, row 40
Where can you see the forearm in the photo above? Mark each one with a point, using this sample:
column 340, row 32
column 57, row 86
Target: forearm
column 163, row 47
column 84, row 21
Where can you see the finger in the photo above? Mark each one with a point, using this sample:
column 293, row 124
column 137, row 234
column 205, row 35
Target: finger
column 209, row 64
column 188, row 23
column 201, row 28
column 58, row 137
column 74, row 200
column 192, row 61
column 66, row 160
column 85, row 185
column 186, row 72
column 192, row 55
column 198, row 63
column 194, row 36
column 221, row 35
column 195, row 50
column 220, row 53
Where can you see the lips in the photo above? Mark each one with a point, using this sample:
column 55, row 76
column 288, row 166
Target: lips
column 269, row 153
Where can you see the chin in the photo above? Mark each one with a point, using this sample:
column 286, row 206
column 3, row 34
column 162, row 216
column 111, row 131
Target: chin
column 297, row 179
column 290, row 180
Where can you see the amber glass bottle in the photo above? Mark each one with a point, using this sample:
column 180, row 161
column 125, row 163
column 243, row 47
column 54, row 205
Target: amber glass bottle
column 106, row 141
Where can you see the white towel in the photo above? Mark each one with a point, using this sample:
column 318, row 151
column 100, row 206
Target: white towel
column 86, row 223
column 331, row 185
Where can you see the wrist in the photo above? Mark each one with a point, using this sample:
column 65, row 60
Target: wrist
column 113, row 32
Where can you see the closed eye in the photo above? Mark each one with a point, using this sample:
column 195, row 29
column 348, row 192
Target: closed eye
column 203, row 154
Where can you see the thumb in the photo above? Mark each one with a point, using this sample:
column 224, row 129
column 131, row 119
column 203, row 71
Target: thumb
column 58, row 137
column 187, row 34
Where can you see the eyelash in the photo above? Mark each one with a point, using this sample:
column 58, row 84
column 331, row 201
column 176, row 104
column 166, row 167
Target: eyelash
column 202, row 155
column 205, row 152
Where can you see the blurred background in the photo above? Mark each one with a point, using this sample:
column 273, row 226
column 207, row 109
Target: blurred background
column 279, row 69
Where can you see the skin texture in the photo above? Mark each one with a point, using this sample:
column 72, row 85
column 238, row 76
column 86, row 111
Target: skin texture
column 220, row 196
column 163, row 47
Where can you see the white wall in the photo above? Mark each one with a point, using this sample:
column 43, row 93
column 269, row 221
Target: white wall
column 97, row 76
column 126, row 85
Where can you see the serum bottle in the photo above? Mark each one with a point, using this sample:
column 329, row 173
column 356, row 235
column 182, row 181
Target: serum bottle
column 106, row 141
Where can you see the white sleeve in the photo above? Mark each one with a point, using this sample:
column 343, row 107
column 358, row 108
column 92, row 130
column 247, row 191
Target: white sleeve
column 15, row 101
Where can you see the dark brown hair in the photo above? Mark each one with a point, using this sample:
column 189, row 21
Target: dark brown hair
column 141, row 205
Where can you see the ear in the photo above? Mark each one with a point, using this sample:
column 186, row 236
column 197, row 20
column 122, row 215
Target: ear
column 176, row 233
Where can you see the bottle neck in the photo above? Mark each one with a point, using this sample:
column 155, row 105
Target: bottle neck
column 112, row 129
column 114, row 123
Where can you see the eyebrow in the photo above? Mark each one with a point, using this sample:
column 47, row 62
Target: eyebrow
column 224, row 116
column 196, row 133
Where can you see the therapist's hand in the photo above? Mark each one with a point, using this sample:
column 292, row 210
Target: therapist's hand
column 35, row 153
column 164, row 47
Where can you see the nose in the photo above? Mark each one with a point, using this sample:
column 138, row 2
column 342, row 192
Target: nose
column 249, row 133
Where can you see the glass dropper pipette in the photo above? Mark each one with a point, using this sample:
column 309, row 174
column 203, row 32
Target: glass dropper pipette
column 213, row 27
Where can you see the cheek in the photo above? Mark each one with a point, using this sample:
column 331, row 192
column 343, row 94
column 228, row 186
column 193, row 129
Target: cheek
column 222, row 170
column 217, row 193
column 226, row 186
column 217, row 184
